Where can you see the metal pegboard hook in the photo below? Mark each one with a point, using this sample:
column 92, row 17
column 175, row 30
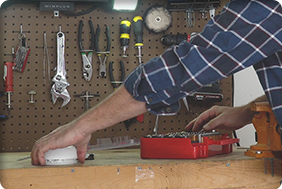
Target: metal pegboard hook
column 190, row 19
column 21, row 34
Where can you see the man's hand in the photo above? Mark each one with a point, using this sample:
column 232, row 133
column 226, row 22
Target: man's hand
column 115, row 108
column 222, row 117
column 61, row 137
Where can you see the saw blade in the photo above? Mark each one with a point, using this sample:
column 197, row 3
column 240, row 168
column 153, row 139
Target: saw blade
column 157, row 19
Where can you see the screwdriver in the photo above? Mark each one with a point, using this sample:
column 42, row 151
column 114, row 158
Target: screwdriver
column 124, row 30
column 8, row 78
column 138, row 32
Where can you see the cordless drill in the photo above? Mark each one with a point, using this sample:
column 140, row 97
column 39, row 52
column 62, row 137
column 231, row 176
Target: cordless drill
column 8, row 78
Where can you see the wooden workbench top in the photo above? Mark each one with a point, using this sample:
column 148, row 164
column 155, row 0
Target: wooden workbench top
column 125, row 169
column 113, row 157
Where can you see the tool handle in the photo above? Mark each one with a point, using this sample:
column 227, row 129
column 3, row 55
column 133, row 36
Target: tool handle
column 108, row 36
column 140, row 118
column 80, row 35
column 124, row 30
column 111, row 75
column 98, row 30
column 8, row 76
column 86, row 104
column 138, row 30
column 92, row 35
column 3, row 117
column 125, row 27
column 122, row 70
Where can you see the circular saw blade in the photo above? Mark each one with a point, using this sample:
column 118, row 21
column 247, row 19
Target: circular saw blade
column 157, row 19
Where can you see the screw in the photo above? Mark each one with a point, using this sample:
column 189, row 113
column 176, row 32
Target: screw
column 32, row 93
column 228, row 164
column 72, row 170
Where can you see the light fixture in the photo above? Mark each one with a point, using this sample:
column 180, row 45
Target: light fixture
column 125, row 5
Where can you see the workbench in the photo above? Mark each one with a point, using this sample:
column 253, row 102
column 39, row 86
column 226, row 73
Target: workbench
column 123, row 168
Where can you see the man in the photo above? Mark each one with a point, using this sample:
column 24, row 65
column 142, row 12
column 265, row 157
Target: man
column 245, row 33
column 224, row 117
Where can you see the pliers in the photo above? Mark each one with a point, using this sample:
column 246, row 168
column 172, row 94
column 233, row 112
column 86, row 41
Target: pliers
column 87, row 59
column 122, row 70
column 128, row 122
column 102, row 70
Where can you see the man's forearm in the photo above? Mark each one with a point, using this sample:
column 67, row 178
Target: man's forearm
column 118, row 107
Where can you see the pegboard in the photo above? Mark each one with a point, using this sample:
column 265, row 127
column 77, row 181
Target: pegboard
column 29, row 122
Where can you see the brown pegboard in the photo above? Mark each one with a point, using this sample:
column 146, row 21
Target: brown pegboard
column 29, row 122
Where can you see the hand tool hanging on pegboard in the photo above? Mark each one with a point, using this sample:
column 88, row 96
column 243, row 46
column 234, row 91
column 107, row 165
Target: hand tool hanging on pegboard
column 3, row 117
column 157, row 19
column 59, row 88
column 86, row 58
column 115, row 85
column 138, row 32
column 87, row 95
column 169, row 39
column 111, row 74
column 22, row 53
column 124, row 30
column 9, row 82
column 46, row 59
column 190, row 6
column 103, row 66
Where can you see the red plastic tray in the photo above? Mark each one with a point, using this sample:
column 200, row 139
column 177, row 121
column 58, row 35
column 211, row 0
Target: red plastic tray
column 183, row 148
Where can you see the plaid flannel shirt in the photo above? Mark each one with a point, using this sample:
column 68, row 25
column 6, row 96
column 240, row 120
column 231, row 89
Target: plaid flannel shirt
column 245, row 33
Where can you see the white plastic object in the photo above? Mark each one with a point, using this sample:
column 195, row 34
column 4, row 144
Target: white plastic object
column 61, row 156
column 127, row 5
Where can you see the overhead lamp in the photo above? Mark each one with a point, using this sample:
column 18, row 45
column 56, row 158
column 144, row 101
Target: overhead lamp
column 125, row 5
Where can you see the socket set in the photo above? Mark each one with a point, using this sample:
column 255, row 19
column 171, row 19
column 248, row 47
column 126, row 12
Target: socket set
column 185, row 145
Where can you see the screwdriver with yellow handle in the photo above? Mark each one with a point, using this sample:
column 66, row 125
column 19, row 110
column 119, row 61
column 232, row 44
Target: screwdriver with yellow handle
column 138, row 32
column 124, row 30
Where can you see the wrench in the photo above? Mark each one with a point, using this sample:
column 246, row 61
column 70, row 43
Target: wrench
column 59, row 88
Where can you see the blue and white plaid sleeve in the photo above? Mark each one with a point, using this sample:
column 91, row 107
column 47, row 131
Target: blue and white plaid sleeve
column 245, row 33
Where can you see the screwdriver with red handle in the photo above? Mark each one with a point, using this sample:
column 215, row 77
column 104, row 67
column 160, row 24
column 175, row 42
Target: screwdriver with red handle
column 8, row 78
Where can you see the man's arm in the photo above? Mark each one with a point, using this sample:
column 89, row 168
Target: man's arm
column 117, row 107
column 223, row 117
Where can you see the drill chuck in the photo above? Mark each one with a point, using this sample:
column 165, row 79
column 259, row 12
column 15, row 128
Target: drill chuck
column 169, row 40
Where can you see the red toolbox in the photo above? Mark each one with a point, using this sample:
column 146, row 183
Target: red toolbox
column 185, row 145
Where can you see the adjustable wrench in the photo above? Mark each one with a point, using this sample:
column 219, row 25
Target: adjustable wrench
column 59, row 88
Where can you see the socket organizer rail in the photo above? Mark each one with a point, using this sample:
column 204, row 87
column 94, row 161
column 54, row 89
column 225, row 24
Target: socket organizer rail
column 185, row 145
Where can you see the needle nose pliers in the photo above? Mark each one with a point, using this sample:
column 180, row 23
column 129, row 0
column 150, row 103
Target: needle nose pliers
column 87, row 59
